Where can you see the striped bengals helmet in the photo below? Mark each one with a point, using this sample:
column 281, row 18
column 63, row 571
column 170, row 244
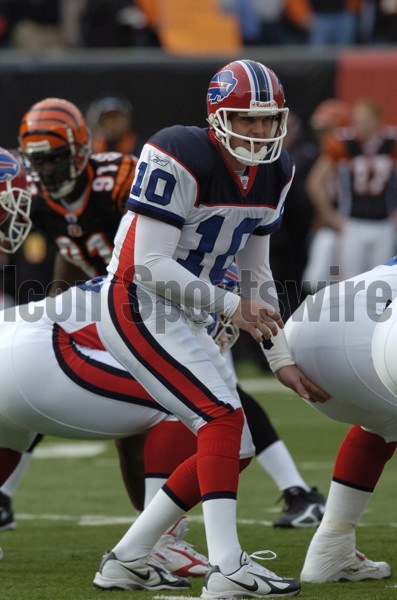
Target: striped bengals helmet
column 329, row 114
column 247, row 87
column 55, row 139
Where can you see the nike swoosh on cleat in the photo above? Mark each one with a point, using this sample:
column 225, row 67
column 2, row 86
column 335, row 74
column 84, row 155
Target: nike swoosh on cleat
column 144, row 576
column 246, row 586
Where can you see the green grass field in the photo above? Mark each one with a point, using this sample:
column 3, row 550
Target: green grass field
column 69, row 510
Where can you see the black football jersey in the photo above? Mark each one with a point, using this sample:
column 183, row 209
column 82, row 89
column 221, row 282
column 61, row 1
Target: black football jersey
column 84, row 232
column 367, row 176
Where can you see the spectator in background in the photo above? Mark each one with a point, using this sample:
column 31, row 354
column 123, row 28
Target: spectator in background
column 151, row 11
column 261, row 23
column 111, row 122
column 378, row 22
column 328, row 115
column 35, row 24
column 325, row 22
column 115, row 23
column 364, row 159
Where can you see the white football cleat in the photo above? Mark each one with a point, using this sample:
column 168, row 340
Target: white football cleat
column 176, row 555
column 249, row 581
column 334, row 558
column 140, row 574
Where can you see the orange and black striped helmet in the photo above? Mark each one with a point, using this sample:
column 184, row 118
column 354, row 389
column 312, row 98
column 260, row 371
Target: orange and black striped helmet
column 330, row 114
column 55, row 139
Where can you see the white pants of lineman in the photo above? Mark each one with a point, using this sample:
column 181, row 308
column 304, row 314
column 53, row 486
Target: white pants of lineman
column 38, row 396
column 330, row 338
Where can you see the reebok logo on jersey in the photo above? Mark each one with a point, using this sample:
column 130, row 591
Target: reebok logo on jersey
column 160, row 161
column 221, row 85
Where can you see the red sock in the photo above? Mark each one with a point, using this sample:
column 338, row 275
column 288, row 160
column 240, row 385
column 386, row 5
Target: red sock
column 167, row 445
column 361, row 459
column 220, row 469
column 9, row 460
column 218, row 456
column 183, row 487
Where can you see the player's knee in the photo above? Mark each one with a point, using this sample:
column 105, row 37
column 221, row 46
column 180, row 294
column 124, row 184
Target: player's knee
column 222, row 435
column 371, row 441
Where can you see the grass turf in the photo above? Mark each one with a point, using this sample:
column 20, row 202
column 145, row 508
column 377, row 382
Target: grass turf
column 67, row 510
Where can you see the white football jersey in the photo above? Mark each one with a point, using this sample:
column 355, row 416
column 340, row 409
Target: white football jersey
column 182, row 180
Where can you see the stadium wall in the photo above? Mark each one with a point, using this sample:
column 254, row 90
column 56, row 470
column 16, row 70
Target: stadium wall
column 163, row 89
column 166, row 89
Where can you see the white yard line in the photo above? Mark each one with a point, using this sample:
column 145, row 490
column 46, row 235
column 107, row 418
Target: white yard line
column 69, row 449
column 191, row 597
column 175, row 597
column 95, row 520
column 264, row 384
column 100, row 520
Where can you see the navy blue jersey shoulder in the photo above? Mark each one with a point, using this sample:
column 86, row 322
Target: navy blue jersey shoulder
column 189, row 145
column 193, row 147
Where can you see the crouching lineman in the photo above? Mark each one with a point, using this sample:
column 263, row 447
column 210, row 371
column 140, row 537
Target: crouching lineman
column 331, row 338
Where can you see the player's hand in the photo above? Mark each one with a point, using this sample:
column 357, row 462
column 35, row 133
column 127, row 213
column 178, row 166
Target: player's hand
column 292, row 377
column 257, row 319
